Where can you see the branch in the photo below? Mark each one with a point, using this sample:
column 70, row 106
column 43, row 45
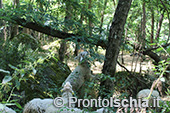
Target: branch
column 43, row 29
column 156, row 82
column 57, row 33
column 149, row 49
column 153, row 55
column 164, row 6
column 168, row 18
column 159, row 25
column 149, row 52
column 130, row 72
column 123, row 67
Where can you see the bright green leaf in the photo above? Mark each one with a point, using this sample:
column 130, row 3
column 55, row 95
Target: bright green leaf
column 152, row 44
column 159, row 49
column 18, row 105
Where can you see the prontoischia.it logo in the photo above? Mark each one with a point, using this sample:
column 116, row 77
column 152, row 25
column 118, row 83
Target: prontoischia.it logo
column 111, row 102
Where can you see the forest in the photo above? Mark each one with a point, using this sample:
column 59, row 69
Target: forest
column 84, row 50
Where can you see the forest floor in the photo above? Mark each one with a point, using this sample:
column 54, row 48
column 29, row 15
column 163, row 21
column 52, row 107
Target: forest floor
column 146, row 66
column 128, row 61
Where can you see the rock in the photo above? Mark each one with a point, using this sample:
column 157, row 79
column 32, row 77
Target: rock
column 47, row 81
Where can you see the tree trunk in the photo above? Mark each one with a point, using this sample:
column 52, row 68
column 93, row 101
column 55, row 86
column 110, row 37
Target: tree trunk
column 102, row 15
column 62, row 50
column 14, row 27
column 143, row 25
column 113, row 48
column 90, row 23
column 14, row 31
column 63, row 45
column 159, row 26
column 169, row 28
column 25, row 30
column 1, row 22
column 152, row 26
column 76, row 49
column 167, row 16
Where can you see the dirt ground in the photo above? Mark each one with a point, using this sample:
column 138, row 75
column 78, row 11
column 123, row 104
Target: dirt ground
column 128, row 61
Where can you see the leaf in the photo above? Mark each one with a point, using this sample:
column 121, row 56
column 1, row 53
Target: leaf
column 159, row 49
column 6, row 79
column 26, row 61
column 18, row 105
column 162, row 79
column 13, row 67
column 152, row 44
column 1, row 70
column 17, row 84
column 22, row 72
column 168, row 59
column 40, row 60
column 10, row 104
column 34, row 71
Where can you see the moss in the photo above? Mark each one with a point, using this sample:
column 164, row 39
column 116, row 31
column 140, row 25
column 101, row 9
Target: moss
column 27, row 39
column 47, row 81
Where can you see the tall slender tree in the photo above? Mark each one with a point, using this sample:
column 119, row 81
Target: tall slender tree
column 159, row 26
column 63, row 44
column 14, row 27
column 143, row 25
column 152, row 25
column 1, row 22
column 113, row 45
column 102, row 15
column 90, row 22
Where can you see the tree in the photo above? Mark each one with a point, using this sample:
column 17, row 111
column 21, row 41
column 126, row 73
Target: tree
column 114, row 39
column 1, row 22
column 102, row 15
column 113, row 45
column 14, row 27
column 63, row 44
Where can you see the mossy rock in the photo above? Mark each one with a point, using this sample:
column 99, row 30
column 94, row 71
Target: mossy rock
column 27, row 39
column 47, row 81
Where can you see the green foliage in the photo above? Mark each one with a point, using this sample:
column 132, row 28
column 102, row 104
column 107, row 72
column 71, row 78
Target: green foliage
column 22, row 61
column 162, row 71
column 13, row 70
column 28, row 72
column 166, row 104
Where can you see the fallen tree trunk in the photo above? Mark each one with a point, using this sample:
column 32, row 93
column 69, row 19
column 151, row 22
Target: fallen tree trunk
column 53, row 32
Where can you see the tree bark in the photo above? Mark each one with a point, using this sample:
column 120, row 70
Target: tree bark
column 89, row 18
column 76, row 49
column 14, row 27
column 102, row 16
column 143, row 25
column 113, row 48
column 0, row 4
column 1, row 22
column 62, row 50
column 55, row 33
column 159, row 26
column 152, row 25
column 167, row 16
column 63, row 44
